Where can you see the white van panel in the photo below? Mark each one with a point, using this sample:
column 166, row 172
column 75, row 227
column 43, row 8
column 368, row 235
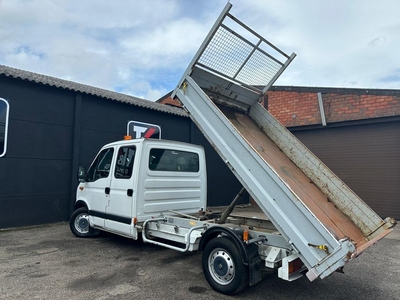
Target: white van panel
column 163, row 195
column 167, row 183
column 160, row 191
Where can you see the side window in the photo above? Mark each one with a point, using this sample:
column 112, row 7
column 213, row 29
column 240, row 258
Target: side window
column 124, row 165
column 173, row 160
column 4, row 108
column 100, row 168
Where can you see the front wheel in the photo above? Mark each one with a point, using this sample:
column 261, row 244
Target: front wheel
column 79, row 223
column 223, row 267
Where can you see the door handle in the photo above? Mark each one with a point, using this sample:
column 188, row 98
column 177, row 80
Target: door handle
column 107, row 191
column 129, row 192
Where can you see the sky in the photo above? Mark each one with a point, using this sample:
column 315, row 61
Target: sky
column 141, row 48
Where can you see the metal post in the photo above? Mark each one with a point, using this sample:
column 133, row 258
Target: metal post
column 230, row 208
column 321, row 109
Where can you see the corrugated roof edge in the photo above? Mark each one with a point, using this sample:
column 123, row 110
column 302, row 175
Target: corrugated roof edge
column 90, row 90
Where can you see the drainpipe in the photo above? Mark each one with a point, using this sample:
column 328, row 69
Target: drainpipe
column 321, row 109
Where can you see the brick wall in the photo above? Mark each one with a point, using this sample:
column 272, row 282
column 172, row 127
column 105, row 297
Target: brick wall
column 355, row 107
column 172, row 102
column 299, row 108
column 294, row 108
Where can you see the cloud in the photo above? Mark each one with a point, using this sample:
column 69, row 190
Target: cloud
column 393, row 77
column 103, row 44
column 338, row 43
column 142, row 48
column 164, row 47
column 377, row 41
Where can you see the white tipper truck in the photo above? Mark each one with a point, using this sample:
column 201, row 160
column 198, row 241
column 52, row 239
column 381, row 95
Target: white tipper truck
column 311, row 223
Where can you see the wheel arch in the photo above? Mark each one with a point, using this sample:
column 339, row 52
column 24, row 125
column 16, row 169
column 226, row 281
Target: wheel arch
column 79, row 204
column 215, row 231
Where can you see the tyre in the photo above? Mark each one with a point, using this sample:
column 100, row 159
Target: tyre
column 79, row 223
column 223, row 267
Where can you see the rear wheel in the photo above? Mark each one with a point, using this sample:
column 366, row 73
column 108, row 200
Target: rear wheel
column 79, row 223
column 223, row 266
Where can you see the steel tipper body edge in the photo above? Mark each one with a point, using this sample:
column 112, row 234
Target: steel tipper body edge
column 309, row 220
column 323, row 220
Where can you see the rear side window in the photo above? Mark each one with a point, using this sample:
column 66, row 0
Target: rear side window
column 124, row 165
column 173, row 160
column 4, row 108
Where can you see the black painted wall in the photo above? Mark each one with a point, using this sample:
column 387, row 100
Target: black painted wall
column 52, row 131
column 35, row 172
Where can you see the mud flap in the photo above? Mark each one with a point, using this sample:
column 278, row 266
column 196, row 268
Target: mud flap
column 255, row 265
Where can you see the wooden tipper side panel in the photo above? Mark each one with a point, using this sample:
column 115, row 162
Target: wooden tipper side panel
column 318, row 215
column 335, row 190
column 299, row 226
column 332, row 218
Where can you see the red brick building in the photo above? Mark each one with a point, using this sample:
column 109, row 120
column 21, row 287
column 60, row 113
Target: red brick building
column 355, row 132
column 299, row 106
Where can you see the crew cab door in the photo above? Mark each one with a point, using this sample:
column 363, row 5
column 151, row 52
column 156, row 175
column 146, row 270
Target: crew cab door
column 119, row 209
column 97, row 186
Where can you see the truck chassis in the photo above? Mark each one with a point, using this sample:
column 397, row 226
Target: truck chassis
column 235, row 253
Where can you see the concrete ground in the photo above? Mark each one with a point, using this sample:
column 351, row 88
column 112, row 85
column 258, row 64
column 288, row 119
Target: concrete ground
column 49, row 262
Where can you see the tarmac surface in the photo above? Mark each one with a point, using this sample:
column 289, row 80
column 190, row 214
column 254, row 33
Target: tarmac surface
column 49, row 262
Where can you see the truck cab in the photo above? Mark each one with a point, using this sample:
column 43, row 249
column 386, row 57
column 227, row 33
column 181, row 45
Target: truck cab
column 131, row 181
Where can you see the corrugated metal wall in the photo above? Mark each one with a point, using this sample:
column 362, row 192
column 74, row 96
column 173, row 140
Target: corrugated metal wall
column 52, row 131
column 366, row 157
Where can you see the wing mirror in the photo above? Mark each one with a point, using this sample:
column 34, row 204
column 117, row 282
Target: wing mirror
column 81, row 174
